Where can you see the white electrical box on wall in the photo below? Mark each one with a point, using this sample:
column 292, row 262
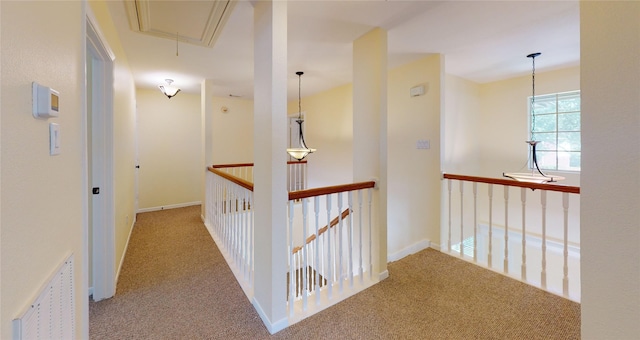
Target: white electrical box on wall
column 416, row 91
column 46, row 101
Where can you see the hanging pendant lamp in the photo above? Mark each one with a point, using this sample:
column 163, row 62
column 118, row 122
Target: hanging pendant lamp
column 169, row 90
column 535, row 175
column 303, row 151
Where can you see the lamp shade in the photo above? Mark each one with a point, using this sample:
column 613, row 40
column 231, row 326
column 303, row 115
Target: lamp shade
column 299, row 153
column 531, row 177
column 169, row 90
column 303, row 151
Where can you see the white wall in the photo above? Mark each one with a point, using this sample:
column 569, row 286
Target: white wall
column 169, row 149
column 328, row 128
column 414, row 174
column 232, row 130
column 610, row 54
column 42, row 195
column 460, row 121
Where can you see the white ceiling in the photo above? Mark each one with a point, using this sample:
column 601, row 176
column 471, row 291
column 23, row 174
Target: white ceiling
column 482, row 41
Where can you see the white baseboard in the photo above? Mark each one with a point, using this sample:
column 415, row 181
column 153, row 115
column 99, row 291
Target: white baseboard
column 171, row 206
column 90, row 291
column 271, row 327
column 383, row 275
column 412, row 249
column 435, row 246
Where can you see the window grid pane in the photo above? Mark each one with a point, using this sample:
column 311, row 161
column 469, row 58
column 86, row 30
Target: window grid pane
column 554, row 121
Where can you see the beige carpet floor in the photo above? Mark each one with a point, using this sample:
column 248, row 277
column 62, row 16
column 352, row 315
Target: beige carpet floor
column 175, row 284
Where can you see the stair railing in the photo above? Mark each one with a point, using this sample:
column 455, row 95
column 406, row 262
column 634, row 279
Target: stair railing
column 229, row 219
column 330, row 257
column 541, row 249
column 296, row 173
column 334, row 259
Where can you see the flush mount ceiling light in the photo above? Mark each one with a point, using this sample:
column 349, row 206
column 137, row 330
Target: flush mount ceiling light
column 169, row 90
column 303, row 151
column 535, row 175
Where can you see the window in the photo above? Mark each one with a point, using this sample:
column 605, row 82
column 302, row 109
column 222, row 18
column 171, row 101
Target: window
column 555, row 122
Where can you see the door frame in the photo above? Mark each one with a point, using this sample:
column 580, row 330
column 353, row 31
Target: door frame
column 102, row 223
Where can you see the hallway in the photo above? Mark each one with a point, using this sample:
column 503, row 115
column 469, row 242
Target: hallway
column 175, row 284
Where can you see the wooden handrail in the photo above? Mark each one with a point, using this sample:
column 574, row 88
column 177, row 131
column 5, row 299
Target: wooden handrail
column 300, row 194
column 239, row 181
column 238, row 165
column 513, row 183
column 234, row 165
column 322, row 230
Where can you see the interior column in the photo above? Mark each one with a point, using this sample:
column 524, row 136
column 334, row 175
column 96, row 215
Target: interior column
column 270, row 157
column 370, row 130
column 206, row 126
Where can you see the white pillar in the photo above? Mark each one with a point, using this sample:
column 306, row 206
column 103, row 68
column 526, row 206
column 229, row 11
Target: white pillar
column 206, row 126
column 270, row 159
column 370, row 129
column 610, row 175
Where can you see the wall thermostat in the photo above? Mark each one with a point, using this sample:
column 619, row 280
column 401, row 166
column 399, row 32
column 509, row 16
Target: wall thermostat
column 46, row 101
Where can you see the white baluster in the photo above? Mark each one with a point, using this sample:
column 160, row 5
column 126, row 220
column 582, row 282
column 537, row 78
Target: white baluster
column 292, row 174
column 461, row 219
column 243, row 232
column 350, row 237
column 305, row 265
column 360, row 269
column 523, row 267
column 225, row 222
column 316, row 209
column 506, row 229
column 489, row 255
column 449, row 235
column 234, row 230
column 340, row 233
column 565, row 279
column 329, row 250
column 475, row 221
column 251, row 241
column 245, row 242
column 323, row 244
column 298, row 273
column 370, row 191
column 543, row 273
column 292, row 279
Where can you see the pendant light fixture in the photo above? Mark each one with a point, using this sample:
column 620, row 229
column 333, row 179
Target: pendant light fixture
column 535, row 175
column 169, row 90
column 301, row 152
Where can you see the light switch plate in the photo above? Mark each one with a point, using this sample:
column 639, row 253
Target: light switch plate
column 54, row 139
column 423, row 144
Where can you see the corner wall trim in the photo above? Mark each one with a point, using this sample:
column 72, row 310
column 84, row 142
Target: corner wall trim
column 124, row 253
column 271, row 327
column 170, row 206
column 411, row 249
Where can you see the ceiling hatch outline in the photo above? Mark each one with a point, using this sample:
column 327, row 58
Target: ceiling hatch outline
column 188, row 24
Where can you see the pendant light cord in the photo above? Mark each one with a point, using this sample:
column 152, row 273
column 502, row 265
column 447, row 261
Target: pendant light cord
column 533, row 90
column 533, row 110
column 299, row 121
column 299, row 96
